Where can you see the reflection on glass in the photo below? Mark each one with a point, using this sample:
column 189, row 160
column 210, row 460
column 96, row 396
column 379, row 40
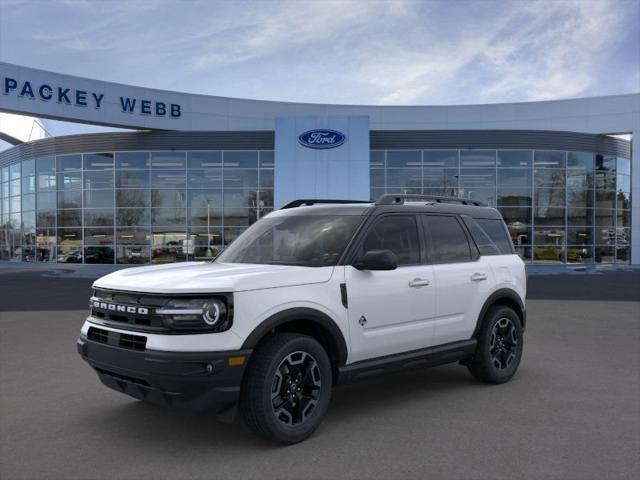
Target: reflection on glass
column 266, row 159
column 582, row 160
column 97, row 161
column 185, row 190
column 175, row 160
column 404, row 159
column 549, row 236
column 477, row 158
column 376, row 159
column 132, row 217
column 515, row 158
column 484, row 195
column 549, row 178
column 514, row 176
column 98, row 255
column 68, row 162
column 132, row 198
column 168, row 246
column 128, row 254
column 168, row 179
column 43, row 165
column 205, row 178
column 240, row 178
column 549, row 159
column 98, row 199
column 548, row 254
column 605, row 218
column 98, row 236
column 605, row 254
column 404, row 178
column 477, row 177
column 509, row 196
column 169, row 217
column 96, row 217
column 204, row 244
column 98, row 179
column 70, row 218
column 440, row 159
column 240, row 159
column 70, row 180
column 576, row 254
column 548, row 215
column 580, row 235
column 138, row 160
column 132, row 178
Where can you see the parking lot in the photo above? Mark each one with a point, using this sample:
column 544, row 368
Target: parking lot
column 571, row 412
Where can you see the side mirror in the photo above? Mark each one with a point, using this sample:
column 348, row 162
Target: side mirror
column 377, row 260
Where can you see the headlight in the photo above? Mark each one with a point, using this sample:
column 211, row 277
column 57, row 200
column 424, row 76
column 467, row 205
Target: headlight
column 208, row 314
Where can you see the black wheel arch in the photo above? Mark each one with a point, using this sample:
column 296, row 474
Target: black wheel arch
column 506, row 297
column 306, row 321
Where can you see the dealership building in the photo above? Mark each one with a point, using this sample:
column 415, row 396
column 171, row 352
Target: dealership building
column 195, row 170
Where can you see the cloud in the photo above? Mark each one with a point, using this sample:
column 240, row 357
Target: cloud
column 338, row 51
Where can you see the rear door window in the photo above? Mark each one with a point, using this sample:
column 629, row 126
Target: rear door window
column 446, row 239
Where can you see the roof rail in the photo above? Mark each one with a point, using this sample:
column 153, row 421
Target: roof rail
column 307, row 202
column 401, row 198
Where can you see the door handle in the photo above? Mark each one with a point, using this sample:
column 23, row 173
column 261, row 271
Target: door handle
column 476, row 277
column 419, row 282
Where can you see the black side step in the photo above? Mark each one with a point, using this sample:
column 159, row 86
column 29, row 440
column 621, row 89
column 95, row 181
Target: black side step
column 425, row 357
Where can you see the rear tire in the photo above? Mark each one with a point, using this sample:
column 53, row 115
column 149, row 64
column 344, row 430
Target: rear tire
column 287, row 388
column 500, row 345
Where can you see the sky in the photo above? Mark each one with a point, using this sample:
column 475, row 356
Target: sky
column 395, row 52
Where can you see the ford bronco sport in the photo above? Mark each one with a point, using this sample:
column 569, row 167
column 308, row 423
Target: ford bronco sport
column 315, row 294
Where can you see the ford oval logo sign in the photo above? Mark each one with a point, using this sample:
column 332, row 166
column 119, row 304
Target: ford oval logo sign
column 322, row 138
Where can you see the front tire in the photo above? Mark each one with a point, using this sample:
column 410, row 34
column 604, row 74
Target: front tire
column 287, row 388
column 500, row 345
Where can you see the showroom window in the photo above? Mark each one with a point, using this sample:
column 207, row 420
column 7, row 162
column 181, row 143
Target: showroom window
column 559, row 206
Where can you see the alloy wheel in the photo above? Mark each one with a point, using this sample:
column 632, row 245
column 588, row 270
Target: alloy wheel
column 504, row 343
column 295, row 390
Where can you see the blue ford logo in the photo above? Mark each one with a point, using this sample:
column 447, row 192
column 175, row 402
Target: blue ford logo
column 322, row 138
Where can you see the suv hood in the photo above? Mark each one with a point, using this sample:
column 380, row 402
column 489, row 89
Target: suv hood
column 206, row 277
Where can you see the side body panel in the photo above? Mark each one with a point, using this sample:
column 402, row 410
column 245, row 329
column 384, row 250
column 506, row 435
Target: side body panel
column 461, row 289
column 387, row 314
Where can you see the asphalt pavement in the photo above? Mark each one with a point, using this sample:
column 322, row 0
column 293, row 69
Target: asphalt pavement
column 571, row 412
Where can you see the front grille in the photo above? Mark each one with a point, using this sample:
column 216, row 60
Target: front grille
column 98, row 335
column 122, row 340
column 131, row 302
column 133, row 342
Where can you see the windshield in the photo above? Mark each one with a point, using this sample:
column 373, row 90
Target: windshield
column 310, row 241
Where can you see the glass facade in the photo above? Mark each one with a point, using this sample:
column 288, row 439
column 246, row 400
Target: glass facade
column 165, row 206
column 131, row 207
column 560, row 207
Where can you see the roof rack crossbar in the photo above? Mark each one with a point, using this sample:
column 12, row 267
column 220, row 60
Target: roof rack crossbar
column 401, row 198
column 309, row 201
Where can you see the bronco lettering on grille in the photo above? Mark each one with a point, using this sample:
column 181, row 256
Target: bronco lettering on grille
column 120, row 308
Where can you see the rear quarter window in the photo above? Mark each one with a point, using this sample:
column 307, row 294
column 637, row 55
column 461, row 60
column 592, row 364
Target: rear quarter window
column 497, row 232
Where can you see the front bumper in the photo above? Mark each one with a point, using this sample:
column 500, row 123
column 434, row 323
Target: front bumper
column 193, row 380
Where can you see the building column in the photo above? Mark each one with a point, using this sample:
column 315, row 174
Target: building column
column 635, row 197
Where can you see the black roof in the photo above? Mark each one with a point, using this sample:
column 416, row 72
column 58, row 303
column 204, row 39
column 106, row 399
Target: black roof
column 342, row 207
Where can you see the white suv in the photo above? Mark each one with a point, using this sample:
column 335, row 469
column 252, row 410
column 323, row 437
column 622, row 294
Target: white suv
column 318, row 293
